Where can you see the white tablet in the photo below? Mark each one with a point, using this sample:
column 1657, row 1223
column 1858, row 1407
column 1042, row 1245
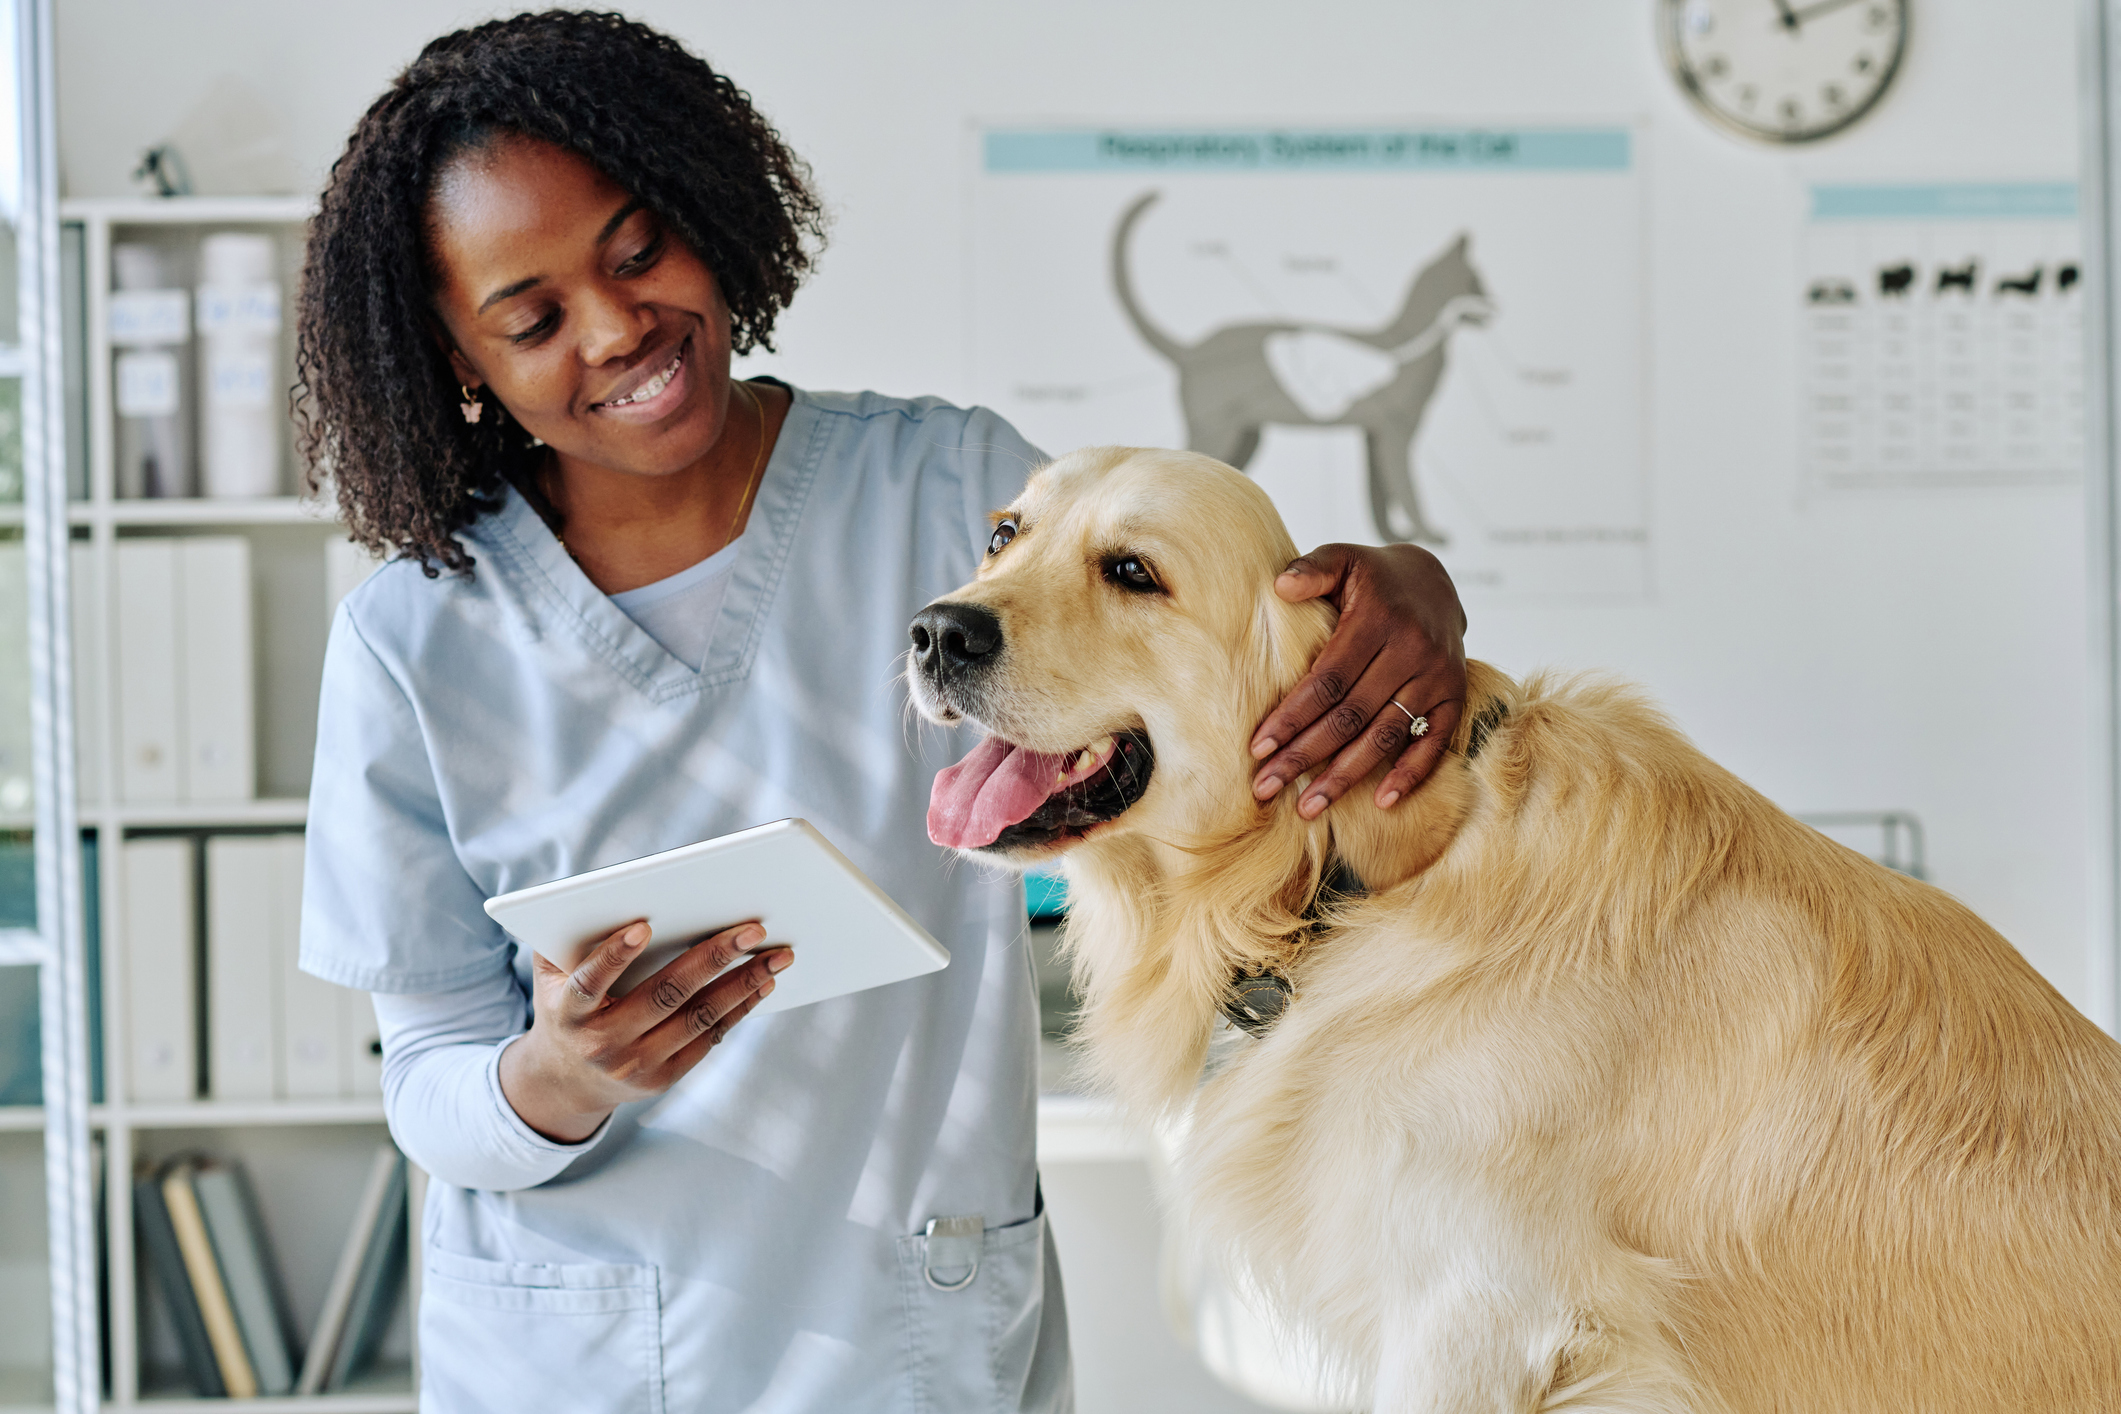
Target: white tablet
column 846, row 933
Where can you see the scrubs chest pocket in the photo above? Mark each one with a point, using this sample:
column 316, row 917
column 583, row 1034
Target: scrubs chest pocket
column 971, row 1328
column 587, row 1338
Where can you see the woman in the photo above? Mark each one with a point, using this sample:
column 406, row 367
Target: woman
column 637, row 604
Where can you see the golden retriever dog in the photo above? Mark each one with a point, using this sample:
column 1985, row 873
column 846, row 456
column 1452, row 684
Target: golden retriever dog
column 1611, row 1087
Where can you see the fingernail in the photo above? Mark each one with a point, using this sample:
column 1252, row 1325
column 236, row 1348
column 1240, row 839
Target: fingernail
column 634, row 936
column 752, row 935
column 777, row 960
column 767, row 990
column 1312, row 807
column 1389, row 799
column 1263, row 748
column 1265, row 786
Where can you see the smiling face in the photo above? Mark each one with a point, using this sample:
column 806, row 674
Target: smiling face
column 1119, row 644
column 593, row 324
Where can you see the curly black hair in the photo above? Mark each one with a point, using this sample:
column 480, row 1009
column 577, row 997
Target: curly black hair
column 375, row 399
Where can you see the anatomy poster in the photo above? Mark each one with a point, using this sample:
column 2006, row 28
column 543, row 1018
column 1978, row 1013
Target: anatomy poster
column 1943, row 343
column 1404, row 334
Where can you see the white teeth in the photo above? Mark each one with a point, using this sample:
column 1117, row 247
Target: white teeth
column 1085, row 760
column 1088, row 761
column 653, row 386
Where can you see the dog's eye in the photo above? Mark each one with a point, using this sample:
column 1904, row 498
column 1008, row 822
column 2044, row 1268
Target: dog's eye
column 1128, row 572
column 1003, row 534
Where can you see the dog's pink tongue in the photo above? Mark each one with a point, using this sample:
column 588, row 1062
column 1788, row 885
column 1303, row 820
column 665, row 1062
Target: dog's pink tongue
column 995, row 786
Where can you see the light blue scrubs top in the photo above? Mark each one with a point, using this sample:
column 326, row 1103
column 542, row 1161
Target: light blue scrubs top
column 751, row 1240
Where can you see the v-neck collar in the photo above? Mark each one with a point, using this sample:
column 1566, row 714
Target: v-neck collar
column 533, row 555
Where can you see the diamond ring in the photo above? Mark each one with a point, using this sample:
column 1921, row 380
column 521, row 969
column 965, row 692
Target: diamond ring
column 1418, row 726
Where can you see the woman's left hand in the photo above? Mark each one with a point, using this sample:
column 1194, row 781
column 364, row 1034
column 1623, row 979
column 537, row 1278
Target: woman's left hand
column 1401, row 637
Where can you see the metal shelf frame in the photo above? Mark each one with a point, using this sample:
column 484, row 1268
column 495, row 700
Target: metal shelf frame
column 62, row 971
column 2099, row 83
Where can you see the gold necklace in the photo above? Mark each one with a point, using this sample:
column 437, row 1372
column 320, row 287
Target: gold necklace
column 758, row 462
column 751, row 484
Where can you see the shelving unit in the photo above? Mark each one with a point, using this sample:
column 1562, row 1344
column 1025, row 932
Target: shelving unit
column 267, row 510
column 378, row 1392
column 246, row 814
column 21, row 1119
column 306, row 1158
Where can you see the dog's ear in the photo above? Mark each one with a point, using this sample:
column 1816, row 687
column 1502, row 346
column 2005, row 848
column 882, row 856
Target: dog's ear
column 1285, row 639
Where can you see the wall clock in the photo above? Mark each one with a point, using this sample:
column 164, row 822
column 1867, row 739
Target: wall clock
column 1783, row 70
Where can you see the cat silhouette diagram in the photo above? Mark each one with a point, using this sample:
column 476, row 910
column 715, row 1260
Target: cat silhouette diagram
column 1237, row 378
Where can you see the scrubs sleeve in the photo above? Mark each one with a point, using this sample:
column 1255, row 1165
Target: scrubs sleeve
column 386, row 904
column 997, row 463
column 442, row 1088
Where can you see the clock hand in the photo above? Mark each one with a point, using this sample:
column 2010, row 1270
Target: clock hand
column 1789, row 16
column 1822, row 7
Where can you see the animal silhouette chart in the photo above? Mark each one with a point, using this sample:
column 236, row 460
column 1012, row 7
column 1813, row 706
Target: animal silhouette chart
column 1404, row 334
column 1943, row 341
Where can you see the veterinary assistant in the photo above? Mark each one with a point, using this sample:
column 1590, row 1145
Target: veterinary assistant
column 636, row 604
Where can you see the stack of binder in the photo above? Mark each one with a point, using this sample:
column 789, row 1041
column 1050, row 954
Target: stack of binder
column 274, row 1031
column 206, row 1248
column 184, row 699
column 270, row 1030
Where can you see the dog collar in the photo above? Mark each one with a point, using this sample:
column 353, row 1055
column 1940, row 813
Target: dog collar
column 1256, row 1000
column 1492, row 716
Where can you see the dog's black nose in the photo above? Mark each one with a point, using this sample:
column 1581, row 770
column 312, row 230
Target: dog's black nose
column 953, row 637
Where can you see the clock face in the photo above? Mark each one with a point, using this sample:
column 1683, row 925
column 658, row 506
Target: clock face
column 1783, row 70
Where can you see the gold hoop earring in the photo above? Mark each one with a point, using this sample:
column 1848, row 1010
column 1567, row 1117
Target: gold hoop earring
column 472, row 408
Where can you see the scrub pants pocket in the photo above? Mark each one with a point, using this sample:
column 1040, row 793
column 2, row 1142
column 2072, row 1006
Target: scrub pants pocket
column 970, row 1349
column 513, row 1336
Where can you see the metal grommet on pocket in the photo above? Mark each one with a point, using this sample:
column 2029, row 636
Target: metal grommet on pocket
column 953, row 1245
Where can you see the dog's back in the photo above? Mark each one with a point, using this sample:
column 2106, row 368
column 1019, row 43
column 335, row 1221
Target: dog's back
column 1798, row 1133
column 1922, row 1209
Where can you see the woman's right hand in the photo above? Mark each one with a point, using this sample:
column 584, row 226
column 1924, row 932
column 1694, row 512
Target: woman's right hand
column 587, row 1053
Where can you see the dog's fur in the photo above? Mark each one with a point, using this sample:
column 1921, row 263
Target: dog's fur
column 1619, row 1090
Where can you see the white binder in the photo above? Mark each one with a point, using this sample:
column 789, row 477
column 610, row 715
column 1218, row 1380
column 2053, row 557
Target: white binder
column 159, row 953
column 242, row 1002
column 214, row 672
column 313, row 1044
column 86, row 605
column 150, row 758
column 364, row 1043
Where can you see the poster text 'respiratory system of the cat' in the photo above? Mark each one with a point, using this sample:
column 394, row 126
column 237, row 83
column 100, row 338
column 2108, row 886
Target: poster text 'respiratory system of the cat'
column 1426, row 334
